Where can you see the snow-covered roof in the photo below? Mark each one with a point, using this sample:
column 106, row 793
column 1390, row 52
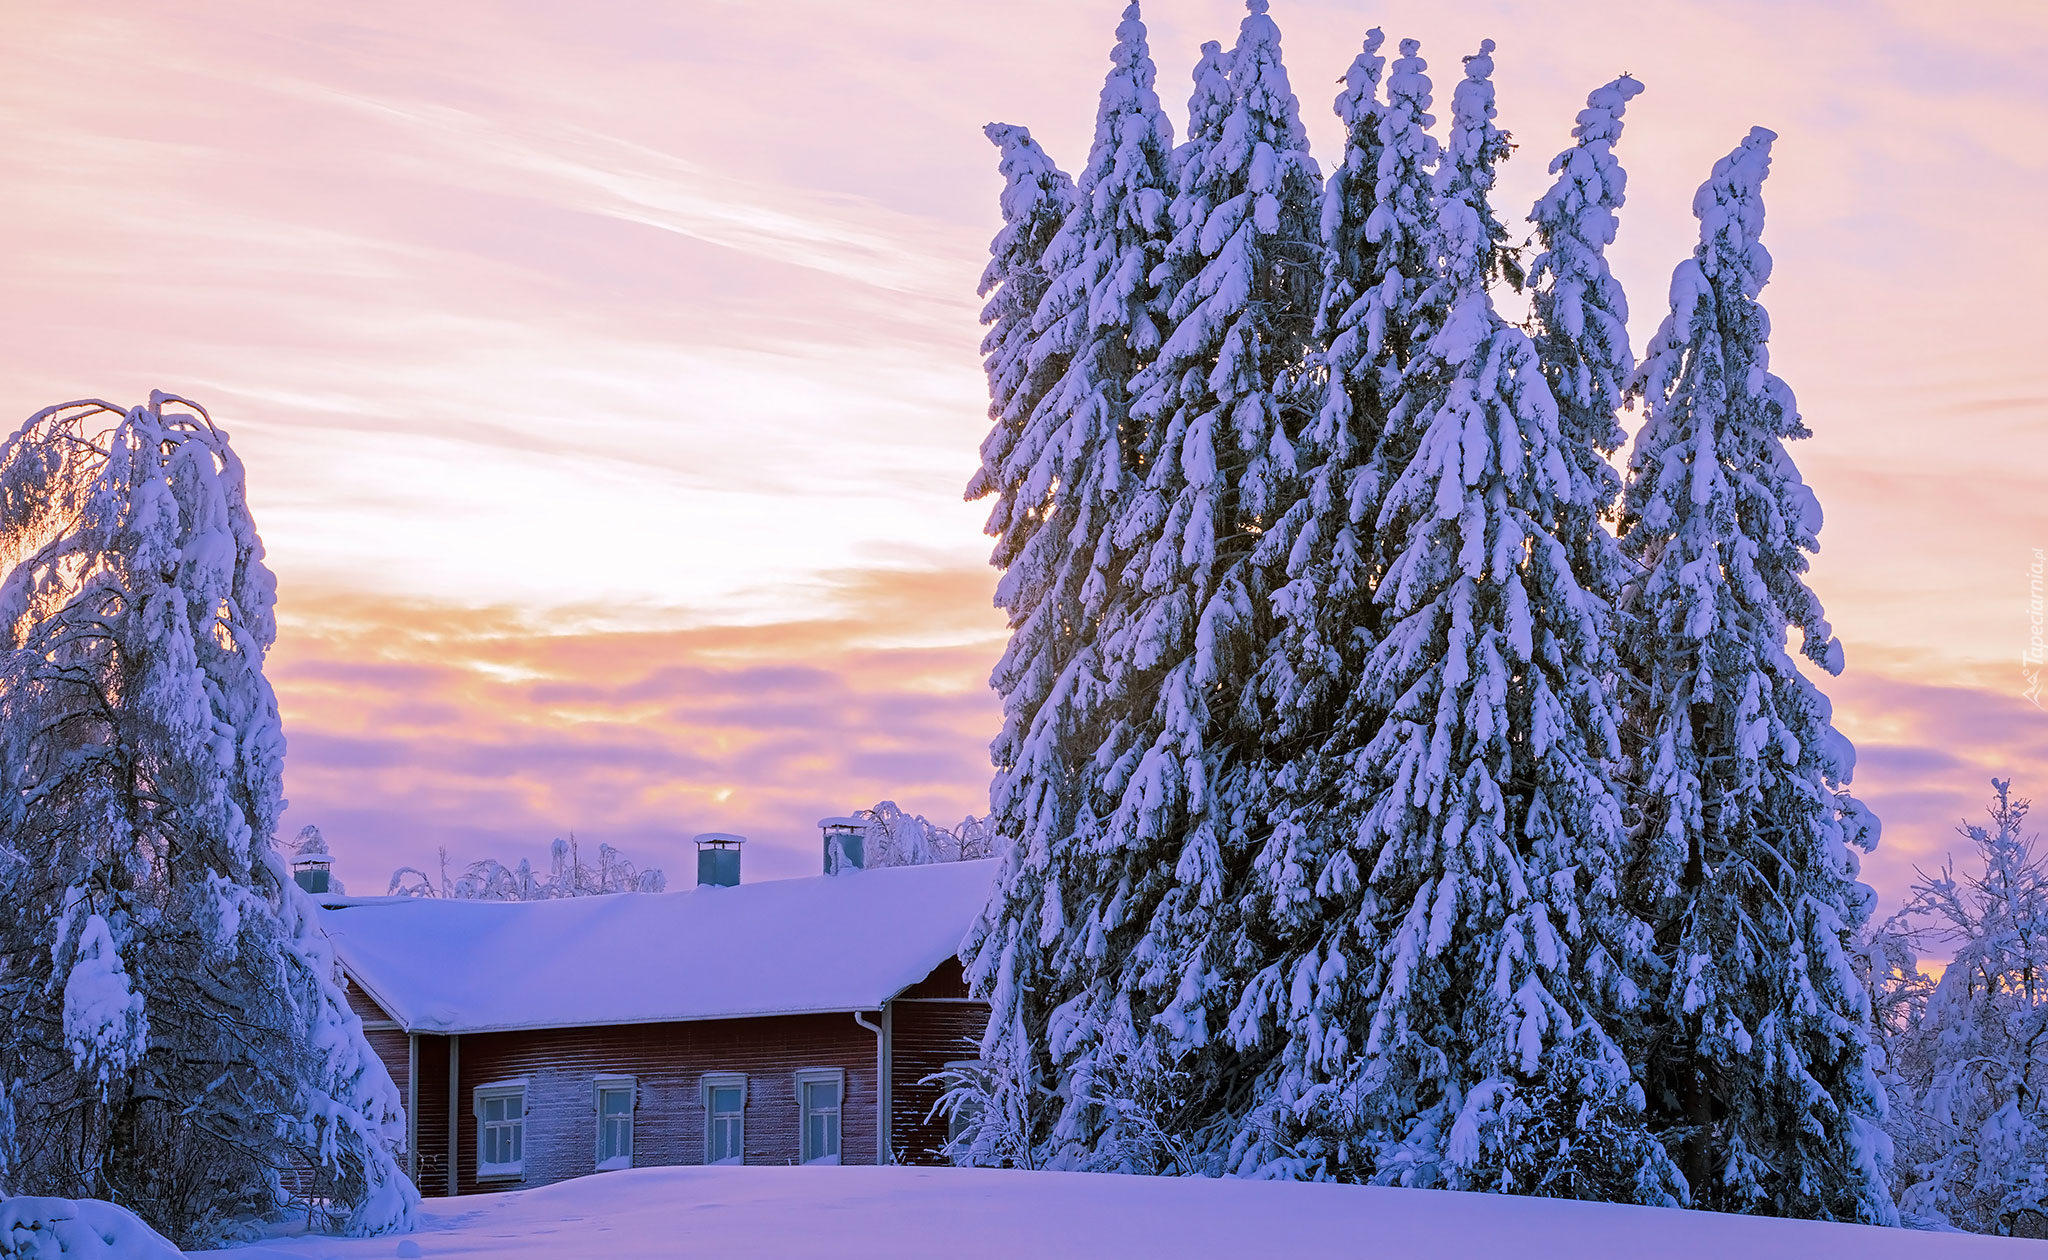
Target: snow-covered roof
column 781, row 947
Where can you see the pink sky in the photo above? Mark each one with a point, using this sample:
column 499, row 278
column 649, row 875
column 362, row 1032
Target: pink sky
column 606, row 373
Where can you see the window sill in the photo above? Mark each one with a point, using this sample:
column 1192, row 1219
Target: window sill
column 614, row 1165
column 501, row 1172
column 734, row 1162
column 827, row 1161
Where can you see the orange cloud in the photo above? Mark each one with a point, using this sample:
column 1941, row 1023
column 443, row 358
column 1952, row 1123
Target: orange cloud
column 659, row 318
column 416, row 725
column 413, row 726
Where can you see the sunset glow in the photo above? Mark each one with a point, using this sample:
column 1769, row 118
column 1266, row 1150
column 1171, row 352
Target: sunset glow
column 607, row 376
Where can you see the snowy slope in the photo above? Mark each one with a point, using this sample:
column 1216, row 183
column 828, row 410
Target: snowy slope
column 993, row 1215
column 77, row 1229
column 826, row 943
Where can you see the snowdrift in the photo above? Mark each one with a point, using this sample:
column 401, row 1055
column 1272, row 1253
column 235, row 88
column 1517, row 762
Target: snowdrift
column 76, row 1229
column 992, row 1215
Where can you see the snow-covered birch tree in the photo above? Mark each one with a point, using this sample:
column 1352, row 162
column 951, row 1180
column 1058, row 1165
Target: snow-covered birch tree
column 175, row 1038
column 1744, row 847
column 568, row 875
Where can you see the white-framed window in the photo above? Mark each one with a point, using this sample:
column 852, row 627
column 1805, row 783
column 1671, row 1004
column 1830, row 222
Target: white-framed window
column 500, row 1109
column 966, row 1108
column 725, row 1117
column 819, row 1093
column 614, row 1101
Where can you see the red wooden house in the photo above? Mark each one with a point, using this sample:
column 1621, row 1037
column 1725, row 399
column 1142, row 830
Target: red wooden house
column 788, row 1021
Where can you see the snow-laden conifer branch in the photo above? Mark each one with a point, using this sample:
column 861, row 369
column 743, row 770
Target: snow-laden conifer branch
column 1738, row 773
column 1358, row 827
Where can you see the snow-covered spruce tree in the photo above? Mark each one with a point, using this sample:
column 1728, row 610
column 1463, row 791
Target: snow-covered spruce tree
column 1223, row 409
column 1968, row 1062
column 1318, row 713
column 1036, row 199
column 1116, row 971
column 1103, row 316
column 1379, row 229
column 1581, row 333
column 1744, row 845
column 1324, row 602
column 176, row 1038
column 1449, row 1027
column 1023, row 458
column 1380, row 302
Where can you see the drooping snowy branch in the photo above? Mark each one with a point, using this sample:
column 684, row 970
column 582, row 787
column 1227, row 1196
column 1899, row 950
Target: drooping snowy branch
column 1746, row 845
column 170, row 996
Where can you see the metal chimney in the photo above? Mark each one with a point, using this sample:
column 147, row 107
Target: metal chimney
column 846, row 841
column 313, row 872
column 718, row 859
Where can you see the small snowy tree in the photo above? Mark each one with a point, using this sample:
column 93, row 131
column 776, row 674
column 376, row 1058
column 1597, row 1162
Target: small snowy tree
column 1743, row 853
column 176, row 1038
column 488, row 879
column 1967, row 1055
column 894, row 838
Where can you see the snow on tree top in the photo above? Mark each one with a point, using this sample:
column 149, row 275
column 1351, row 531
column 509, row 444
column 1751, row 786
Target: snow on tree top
column 779, row 947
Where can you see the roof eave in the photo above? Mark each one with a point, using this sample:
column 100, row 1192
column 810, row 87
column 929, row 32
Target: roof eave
column 474, row 1029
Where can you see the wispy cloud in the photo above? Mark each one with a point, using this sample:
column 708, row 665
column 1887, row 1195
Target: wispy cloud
column 649, row 324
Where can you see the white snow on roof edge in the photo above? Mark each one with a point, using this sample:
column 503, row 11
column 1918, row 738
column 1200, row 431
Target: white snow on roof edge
column 781, row 947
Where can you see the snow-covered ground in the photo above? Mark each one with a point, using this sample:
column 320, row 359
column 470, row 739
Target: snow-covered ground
column 987, row 1214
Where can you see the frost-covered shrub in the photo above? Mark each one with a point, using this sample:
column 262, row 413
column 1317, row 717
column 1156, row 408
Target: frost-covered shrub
column 894, row 838
column 488, row 879
column 1966, row 1056
column 176, row 1037
column 988, row 1110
